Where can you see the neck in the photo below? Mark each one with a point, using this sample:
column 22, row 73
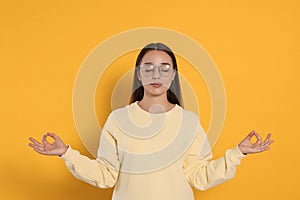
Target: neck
column 155, row 104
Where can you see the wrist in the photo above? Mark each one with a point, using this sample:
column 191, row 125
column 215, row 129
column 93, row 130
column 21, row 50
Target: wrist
column 241, row 149
column 64, row 151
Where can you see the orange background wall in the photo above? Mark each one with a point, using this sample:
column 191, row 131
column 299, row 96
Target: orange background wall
column 255, row 45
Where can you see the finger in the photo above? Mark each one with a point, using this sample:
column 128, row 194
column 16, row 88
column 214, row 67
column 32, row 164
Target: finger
column 44, row 139
column 35, row 143
column 264, row 147
column 258, row 138
column 54, row 136
column 260, row 149
column 39, row 150
column 267, row 138
column 250, row 135
column 31, row 145
column 268, row 143
column 34, row 140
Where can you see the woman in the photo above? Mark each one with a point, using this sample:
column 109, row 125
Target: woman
column 153, row 148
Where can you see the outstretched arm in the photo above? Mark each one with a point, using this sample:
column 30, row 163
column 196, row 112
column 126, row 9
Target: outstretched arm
column 101, row 172
column 203, row 173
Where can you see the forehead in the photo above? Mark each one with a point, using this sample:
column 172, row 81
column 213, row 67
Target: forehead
column 156, row 57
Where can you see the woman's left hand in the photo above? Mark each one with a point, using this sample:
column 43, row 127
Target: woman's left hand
column 246, row 146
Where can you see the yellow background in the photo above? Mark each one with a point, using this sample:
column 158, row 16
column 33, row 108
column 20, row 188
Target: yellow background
column 255, row 45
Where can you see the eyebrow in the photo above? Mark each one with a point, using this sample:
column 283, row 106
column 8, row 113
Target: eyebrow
column 164, row 63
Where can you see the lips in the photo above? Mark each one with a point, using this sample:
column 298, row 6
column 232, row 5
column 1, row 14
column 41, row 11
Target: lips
column 156, row 85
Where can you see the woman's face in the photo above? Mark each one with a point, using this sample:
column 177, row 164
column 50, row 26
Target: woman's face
column 156, row 72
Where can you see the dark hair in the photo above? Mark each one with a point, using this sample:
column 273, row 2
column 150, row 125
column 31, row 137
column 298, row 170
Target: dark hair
column 174, row 91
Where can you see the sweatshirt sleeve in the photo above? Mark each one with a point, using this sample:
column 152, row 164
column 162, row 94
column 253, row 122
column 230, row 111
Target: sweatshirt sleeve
column 101, row 172
column 201, row 171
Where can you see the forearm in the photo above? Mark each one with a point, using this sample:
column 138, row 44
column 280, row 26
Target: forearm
column 206, row 173
column 99, row 172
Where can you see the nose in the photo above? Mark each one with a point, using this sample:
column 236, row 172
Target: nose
column 156, row 73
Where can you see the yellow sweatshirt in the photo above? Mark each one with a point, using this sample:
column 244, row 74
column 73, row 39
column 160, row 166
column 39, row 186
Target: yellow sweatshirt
column 147, row 156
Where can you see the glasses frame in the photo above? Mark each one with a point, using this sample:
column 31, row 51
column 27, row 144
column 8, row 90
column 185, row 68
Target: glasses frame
column 159, row 70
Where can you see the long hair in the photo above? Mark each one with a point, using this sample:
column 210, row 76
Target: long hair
column 174, row 91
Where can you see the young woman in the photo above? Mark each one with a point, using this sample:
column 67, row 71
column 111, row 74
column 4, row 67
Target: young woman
column 153, row 148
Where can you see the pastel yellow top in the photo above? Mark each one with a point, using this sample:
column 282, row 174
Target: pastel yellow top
column 147, row 156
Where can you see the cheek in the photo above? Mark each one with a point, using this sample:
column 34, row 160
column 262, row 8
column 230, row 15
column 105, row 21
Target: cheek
column 167, row 81
column 146, row 80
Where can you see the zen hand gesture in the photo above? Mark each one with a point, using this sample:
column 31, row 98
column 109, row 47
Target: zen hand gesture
column 246, row 146
column 57, row 148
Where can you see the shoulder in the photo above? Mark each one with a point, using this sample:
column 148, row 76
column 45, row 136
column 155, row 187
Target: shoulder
column 189, row 118
column 189, row 114
column 119, row 114
column 111, row 123
column 120, row 110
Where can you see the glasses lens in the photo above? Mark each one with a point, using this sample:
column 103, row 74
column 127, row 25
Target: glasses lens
column 165, row 70
column 148, row 69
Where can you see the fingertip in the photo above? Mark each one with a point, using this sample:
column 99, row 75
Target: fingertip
column 269, row 135
column 251, row 133
column 257, row 134
column 31, row 145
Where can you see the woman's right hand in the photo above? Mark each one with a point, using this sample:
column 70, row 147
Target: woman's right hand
column 57, row 148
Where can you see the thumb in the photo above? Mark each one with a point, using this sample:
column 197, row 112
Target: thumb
column 44, row 140
column 250, row 135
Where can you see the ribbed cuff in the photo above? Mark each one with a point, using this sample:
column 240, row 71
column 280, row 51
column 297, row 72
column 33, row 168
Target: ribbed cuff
column 240, row 152
column 68, row 154
column 236, row 155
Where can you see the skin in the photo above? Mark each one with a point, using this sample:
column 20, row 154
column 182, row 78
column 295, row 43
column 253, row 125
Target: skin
column 154, row 101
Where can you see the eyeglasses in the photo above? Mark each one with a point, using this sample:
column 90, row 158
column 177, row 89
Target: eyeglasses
column 147, row 69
